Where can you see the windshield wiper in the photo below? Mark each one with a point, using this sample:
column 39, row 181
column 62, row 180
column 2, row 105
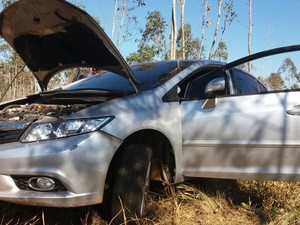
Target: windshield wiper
column 71, row 100
column 85, row 93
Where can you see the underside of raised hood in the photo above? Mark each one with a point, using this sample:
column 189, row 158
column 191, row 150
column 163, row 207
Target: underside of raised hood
column 53, row 35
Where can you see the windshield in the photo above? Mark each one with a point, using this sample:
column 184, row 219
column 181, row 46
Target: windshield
column 149, row 75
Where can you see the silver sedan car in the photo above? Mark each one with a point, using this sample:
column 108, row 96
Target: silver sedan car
column 108, row 136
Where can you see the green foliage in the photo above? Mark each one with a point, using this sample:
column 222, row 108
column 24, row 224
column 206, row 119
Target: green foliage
column 153, row 41
column 140, row 3
column 286, row 77
column 192, row 45
column 145, row 53
column 289, row 70
column 155, row 27
column 229, row 15
column 155, row 32
column 275, row 82
column 221, row 52
column 288, row 65
column 294, row 86
column 125, row 19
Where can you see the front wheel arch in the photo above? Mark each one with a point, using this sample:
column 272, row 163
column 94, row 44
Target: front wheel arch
column 163, row 159
column 163, row 154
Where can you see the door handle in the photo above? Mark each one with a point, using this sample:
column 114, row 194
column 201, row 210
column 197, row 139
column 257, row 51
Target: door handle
column 295, row 110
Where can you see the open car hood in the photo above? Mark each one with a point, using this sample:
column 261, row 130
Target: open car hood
column 53, row 35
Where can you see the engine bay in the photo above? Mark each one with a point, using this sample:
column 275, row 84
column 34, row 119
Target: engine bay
column 34, row 111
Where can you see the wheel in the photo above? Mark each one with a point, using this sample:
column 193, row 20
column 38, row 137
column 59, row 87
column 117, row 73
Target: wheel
column 131, row 186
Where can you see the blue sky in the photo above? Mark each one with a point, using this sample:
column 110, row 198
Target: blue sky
column 275, row 23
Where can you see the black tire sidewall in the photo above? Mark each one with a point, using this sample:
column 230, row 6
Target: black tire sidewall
column 131, row 182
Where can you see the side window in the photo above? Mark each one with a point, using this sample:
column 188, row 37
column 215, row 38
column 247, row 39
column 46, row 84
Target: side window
column 195, row 88
column 245, row 84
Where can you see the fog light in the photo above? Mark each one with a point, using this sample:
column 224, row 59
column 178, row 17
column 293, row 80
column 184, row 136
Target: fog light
column 41, row 183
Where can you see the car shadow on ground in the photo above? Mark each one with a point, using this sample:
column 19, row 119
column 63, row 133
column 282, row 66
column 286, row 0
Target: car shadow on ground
column 235, row 193
column 21, row 215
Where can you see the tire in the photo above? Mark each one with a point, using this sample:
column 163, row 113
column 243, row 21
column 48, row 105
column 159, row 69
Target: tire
column 131, row 186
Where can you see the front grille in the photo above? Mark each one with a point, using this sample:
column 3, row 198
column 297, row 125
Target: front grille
column 22, row 183
column 10, row 136
column 11, row 131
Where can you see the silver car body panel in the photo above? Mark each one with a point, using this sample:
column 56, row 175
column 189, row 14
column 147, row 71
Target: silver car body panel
column 81, row 162
column 85, row 158
column 244, row 137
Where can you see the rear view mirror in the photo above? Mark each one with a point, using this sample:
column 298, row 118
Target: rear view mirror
column 215, row 87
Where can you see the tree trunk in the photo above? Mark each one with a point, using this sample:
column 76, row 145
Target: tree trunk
column 15, row 84
column 204, row 23
column 211, row 53
column 182, row 3
column 229, row 15
column 250, row 33
column 124, row 10
column 173, row 32
column 114, row 20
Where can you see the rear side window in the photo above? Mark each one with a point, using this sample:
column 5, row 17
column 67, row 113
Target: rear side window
column 245, row 84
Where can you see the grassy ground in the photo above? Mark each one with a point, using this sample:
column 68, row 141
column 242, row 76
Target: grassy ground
column 204, row 201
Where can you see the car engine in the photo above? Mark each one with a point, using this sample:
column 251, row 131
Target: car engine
column 32, row 112
column 15, row 118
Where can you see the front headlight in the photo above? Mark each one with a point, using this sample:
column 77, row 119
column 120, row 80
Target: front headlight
column 64, row 128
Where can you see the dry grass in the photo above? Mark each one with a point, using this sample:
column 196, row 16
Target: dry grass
column 204, row 201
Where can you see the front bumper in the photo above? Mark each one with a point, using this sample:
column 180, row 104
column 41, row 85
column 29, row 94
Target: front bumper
column 79, row 163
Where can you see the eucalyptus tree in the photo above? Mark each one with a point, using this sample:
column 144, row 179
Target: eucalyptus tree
column 153, row 41
column 173, row 32
column 211, row 52
column 275, row 82
column 182, row 4
column 124, row 18
column 289, row 70
column 192, row 49
column 250, row 33
column 226, row 14
column 205, row 22
column 221, row 52
column 145, row 53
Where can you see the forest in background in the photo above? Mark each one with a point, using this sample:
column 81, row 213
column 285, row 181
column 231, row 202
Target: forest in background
column 153, row 43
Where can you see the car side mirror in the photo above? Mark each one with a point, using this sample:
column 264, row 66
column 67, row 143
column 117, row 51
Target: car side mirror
column 215, row 87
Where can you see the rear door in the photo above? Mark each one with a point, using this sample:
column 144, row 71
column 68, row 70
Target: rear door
column 247, row 132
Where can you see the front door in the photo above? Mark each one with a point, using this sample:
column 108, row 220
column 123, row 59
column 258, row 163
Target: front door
column 245, row 133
